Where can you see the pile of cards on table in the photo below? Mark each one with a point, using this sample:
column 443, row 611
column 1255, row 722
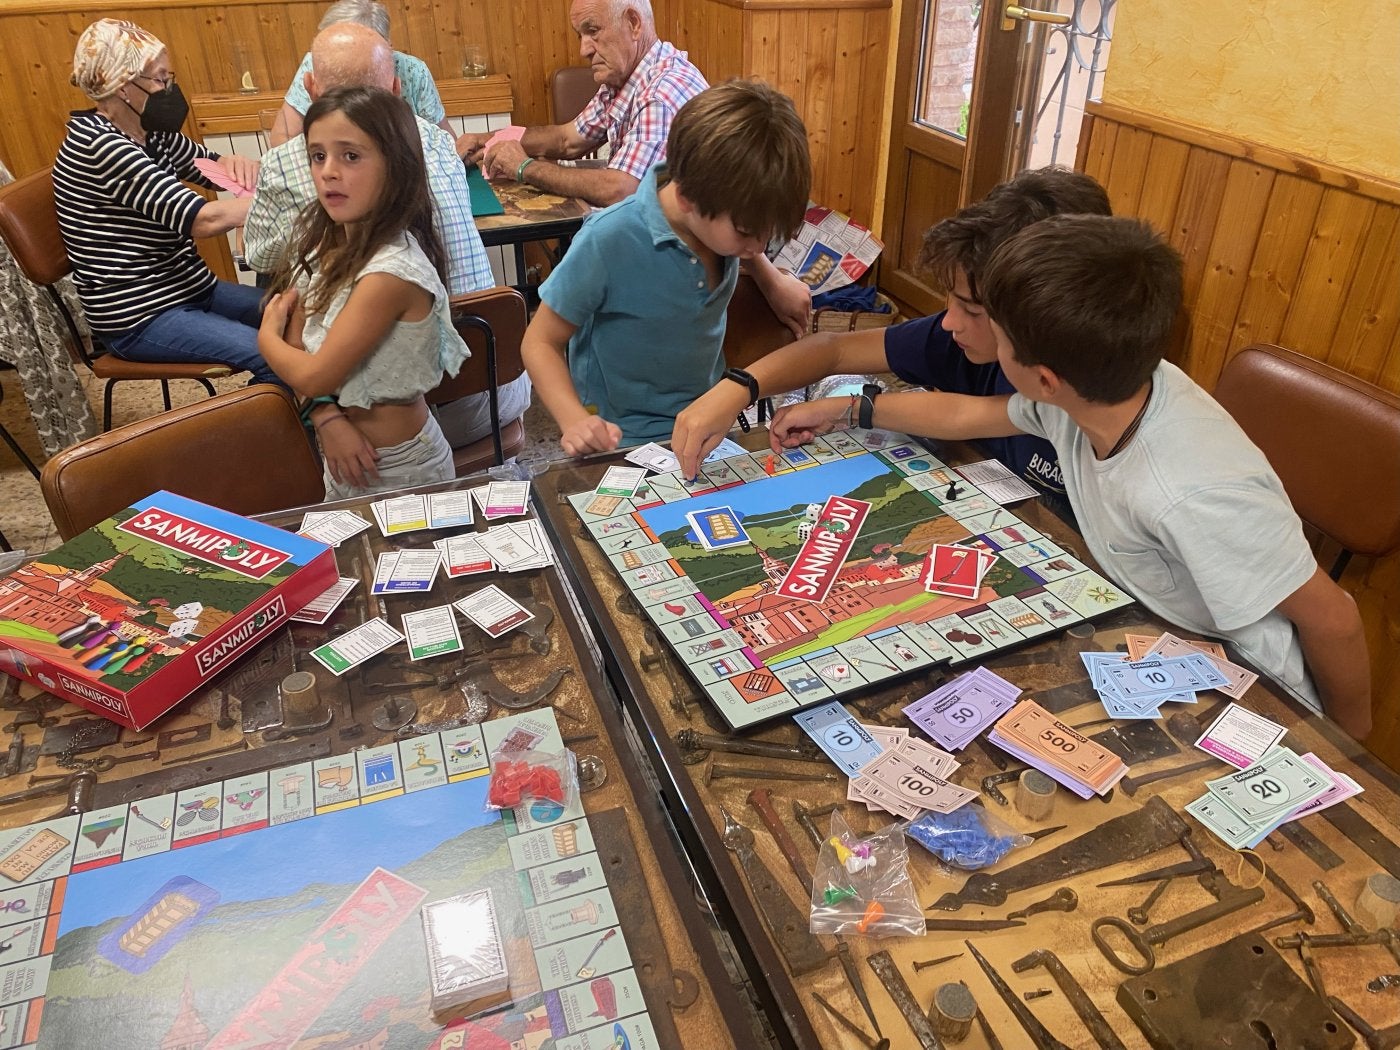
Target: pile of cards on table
column 1161, row 670
column 955, row 712
column 908, row 778
column 1039, row 739
column 955, row 570
column 466, row 954
column 1243, row 808
column 445, row 510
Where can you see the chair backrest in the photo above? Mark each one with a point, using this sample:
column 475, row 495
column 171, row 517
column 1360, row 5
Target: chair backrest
column 751, row 328
column 1333, row 439
column 29, row 226
column 503, row 310
column 570, row 88
column 244, row 452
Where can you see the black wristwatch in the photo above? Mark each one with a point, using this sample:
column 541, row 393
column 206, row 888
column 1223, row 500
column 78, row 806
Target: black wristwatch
column 745, row 380
column 868, row 394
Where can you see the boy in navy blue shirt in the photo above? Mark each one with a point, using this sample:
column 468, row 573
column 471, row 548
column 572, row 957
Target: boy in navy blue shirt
column 952, row 351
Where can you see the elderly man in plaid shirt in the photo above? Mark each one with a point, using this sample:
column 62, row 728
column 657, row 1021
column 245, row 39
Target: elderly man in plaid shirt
column 349, row 55
column 643, row 81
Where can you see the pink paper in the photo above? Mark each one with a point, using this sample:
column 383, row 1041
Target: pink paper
column 215, row 173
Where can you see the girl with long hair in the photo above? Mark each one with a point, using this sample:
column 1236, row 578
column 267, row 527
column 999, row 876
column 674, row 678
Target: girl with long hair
column 358, row 311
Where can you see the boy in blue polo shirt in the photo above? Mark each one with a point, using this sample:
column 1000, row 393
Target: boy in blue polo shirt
column 630, row 327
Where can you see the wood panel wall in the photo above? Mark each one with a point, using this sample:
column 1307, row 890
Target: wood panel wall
column 1278, row 249
column 829, row 55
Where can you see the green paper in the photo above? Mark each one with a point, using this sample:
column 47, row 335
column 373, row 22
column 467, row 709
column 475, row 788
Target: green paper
column 484, row 199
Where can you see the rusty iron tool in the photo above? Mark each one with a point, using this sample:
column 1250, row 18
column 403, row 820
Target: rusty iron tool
column 1302, row 911
column 1162, row 932
column 1040, row 1035
column 1343, row 916
column 850, row 1026
column 926, row 963
column 57, row 787
column 722, row 771
column 1063, row 899
column 888, row 972
column 993, row 1043
column 80, row 793
column 502, row 695
column 1130, row 784
column 197, row 773
column 1171, row 871
column 848, row 966
column 15, row 758
column 760, row 801
column 1138, row 913
column 1036, row 993
column 1040, row 833
column 1312, row 847
column 1127, row 837
column 1376, row 1038
column 1364, row 834
column 804, row 816
column 1093, row 1020
column 970, row 925
column 788, row 928
column 991, row 784
column 663, row 988
column 1335, row 940
column 695, row 748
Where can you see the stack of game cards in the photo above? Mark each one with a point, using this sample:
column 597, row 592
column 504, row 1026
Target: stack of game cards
column 955, row 712
column 466, row 956
column 1138, row 688
column 955, row 570
column 909, row 778
column 436, row 510
column 1244, row 807
column 516, row 546
column 1039, row 739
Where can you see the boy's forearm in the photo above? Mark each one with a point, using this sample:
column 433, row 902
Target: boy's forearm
column 548, row 368
column 949, row 417
column 1333, row 641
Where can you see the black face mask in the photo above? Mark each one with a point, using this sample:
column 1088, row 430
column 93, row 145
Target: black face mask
column 165, row 110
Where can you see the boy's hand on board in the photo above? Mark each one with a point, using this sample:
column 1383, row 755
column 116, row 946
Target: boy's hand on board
column 702, row 424
column 798, row 424
column 590, row 434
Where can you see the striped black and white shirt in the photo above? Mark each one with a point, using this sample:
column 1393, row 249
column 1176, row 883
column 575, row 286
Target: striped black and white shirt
column 126, row 218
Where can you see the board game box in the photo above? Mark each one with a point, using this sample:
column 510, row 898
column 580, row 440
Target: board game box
column 133, row 615
column 283, row 908
column 785, row 590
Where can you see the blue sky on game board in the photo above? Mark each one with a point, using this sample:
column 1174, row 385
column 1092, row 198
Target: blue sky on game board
column 812, row 485
column 340, row 847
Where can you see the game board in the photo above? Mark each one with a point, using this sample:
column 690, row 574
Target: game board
column 282, row 909
column 777, row 597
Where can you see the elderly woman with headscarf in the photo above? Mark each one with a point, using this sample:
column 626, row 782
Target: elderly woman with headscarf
column 415, row 79
column 129, row 222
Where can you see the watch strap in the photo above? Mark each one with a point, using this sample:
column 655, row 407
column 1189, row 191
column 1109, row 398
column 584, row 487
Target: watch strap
column 744, row 379
column 868, row 394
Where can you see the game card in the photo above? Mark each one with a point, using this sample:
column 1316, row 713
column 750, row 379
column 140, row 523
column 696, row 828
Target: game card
column 993, row 478
column 319, row 608
column 606, row 506
column 717, row 528
column 1240, row 737
column 493, row 610
column 621, row 481
column 431, row 632
column 356, row 646
column 507, row 498
column 409, row 571
column 653, row 457
column 464, row 556
column 404, row 514
column 508, row 548
column 332, row 527
column 449, row 509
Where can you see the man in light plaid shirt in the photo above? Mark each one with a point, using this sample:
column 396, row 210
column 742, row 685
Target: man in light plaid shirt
column 642, row 82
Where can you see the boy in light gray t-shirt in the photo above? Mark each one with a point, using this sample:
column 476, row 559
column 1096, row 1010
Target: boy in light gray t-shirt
column 1175, row 503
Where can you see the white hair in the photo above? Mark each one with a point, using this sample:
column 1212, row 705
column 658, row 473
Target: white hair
column 370, row 13
column 616, row 9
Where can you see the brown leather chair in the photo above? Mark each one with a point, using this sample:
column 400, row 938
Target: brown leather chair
column 492, row 322
column 29, row 226
column 570, row 89
column 1333, row 439
column 244, row 452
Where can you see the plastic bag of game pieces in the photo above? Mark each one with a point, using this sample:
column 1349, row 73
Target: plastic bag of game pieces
column 862, row 885
column 518, row 777
column 968, row 838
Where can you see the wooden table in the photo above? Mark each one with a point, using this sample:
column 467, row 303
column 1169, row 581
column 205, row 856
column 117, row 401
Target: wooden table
column 699, row 1002
column 649, row 681
column 531, row 215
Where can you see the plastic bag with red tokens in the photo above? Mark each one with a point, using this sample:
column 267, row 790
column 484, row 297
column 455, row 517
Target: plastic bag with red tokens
column 518, row 777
